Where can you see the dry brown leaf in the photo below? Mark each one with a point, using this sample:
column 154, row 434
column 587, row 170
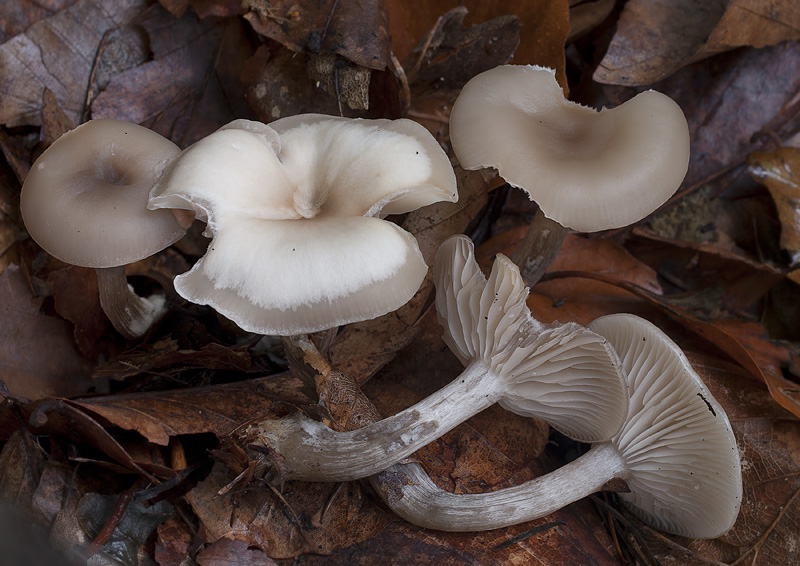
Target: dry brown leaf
column 277, row 85
column 356, row 30
column 56, row 53
column 305, row 518
column 165, row 94
column 726, row 101
column 545, row 25
column 173, row 544
column 231, row 552
column 778, row 171
column 37, row 354
column 76, row 299
column 654, row 38
column 218, row 409
column 16, row 17
column 740, row 281
column 166, row 353
column 451, row 56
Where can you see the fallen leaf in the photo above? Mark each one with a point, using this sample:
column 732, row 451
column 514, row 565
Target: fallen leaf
column 21, row 463
column 277, row 85
column 37, row 354
column 166, row 353
column 451, row 56
column 173, row 544
column 56, row 53
column 740, row 281
column 16, row 17
column 545, row 25
column 164, row 93
column 306, row 518
column 76, row 299
column 217, row 409
column 133, row 530
column 355, row 30
column 654, row 38
column 778, row 171
column 228, row 552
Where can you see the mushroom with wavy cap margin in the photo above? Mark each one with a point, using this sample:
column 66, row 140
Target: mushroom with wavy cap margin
column 587, row 170
column 295, row 211
column 676, row 452
column 564, row 374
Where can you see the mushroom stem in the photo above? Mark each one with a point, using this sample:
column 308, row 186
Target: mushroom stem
column 425, row 504
column 311, row 451
column 539, row 248
column 130, row 314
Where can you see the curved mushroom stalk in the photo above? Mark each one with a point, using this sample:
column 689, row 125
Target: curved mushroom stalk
column 85, row 202
column 130, row 314
column 587, row 170
column 564, row 374
column 295, row 211
column 676, row 452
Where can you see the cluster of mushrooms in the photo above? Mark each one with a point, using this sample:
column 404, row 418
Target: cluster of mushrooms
column 296, row 209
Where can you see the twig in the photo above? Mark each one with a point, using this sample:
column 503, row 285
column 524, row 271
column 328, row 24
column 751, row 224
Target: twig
column 116, row 516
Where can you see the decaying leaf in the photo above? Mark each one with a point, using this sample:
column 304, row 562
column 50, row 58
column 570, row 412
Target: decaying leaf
column 165, row 93
column 133, row 530
column 542, row 36
column 231, row 552
column 56, row 53
column 654, row 38
column 37, row 355
column 304, row 518
column 451, row 56
column 778, row 171
column 356, row 30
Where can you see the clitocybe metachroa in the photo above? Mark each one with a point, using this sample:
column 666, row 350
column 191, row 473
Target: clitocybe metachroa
column 676, row 452
column 295, row 211
column 587, row 170
column 565, row 374
column 85, row 203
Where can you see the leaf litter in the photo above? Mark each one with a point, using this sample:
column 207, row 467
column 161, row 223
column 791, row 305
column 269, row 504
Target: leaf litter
column 89, row 417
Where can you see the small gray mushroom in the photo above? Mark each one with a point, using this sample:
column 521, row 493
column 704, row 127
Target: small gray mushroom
column 587, row 170
column 85, row 203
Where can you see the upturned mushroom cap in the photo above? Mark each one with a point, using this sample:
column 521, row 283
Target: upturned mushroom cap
column 85, row 198
column 587, row 170
column 562, row 373
column 678, row 445
column 298, row 243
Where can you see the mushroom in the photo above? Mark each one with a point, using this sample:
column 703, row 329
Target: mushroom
column 587, row 170
column 295, row 211
column 84, row 201
column 564, row 374
column 676, row 453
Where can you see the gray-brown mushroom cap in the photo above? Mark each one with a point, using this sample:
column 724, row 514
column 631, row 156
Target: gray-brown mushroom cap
column 85, row 199
column 587, row 170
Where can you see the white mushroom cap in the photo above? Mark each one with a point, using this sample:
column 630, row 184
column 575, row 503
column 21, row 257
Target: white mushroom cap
column 298, row 243
column 587, row 170
column 562, row 373
column 683, row 463
column 85, row 198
